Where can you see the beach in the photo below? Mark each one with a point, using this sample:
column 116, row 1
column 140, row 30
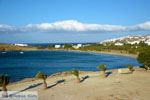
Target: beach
column 63, row 86
column 74, row 50
column 112, row 52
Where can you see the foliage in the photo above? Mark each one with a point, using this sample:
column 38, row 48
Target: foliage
column 4, row 80
column 102, row 67
column 41, row 75
column 108, row 47
column 130, row 67
column 51, row 46
column 75, row 72
column 144, row 57
column 142, row 66
column 142, row 44
column 41, row 47
column 67, row 45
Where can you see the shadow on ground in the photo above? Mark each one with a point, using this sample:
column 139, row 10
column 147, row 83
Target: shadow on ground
column 127, row 73
column 58, row 82
column 84, row 78
column 108, row 73
column 29, row 87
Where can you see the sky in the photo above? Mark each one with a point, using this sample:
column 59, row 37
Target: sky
column 61, row 21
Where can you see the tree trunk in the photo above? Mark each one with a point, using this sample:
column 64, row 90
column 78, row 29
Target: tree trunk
column 4, row 90
column 103, row 73
column 147, row 67
column 78, row 79
column 45, row 84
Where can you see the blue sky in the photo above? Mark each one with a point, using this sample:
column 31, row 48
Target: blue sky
column 72, row 20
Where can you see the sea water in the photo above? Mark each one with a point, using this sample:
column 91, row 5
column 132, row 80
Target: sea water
column 19, row 65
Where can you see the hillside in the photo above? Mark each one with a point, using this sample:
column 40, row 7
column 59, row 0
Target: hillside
column 9, row 47
column 130, row 39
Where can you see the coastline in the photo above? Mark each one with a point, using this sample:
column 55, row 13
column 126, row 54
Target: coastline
column 59, row 74
column 99, row 52
column 88, row 51
column 114, row 87
column 105, row 52
column 30, row 48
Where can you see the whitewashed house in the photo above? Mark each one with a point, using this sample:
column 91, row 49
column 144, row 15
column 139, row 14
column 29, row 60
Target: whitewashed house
column 57, row 46
column 77, row 46
column 22, row 45
column 134, row 42
column 147, row 42
column 119, row 44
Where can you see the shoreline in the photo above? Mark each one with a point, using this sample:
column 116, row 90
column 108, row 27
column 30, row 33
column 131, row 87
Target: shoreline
column 82, row 51
column 99, row 52
column 58, row 74
column 115, row 85
column 7, row 47
column 115, row 52
column 105, row 52
column 66, row 73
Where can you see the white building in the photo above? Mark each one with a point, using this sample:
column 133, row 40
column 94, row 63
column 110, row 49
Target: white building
column 147, row 42
column 118, row 44
column 77, row 46
column 134, row 42
column 57, row 46
column 22, row 45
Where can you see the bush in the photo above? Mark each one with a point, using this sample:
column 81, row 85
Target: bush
column 144, row 58
column 130, row 67
column 76, row 73
column 42, row 76
column 4, row 80
column 142, row 66
column 102, row 67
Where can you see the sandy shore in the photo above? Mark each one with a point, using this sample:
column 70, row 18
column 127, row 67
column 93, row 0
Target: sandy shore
column 7, row 47
column 112, row 52
column 94, row 87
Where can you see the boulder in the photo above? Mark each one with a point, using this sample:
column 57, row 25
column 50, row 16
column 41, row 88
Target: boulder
column 123, row 70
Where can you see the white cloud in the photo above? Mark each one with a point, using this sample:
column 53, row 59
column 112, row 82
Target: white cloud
column 74, row 26
column 4, row 27
column 143, row 26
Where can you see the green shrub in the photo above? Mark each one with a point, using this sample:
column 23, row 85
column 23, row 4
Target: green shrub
column 130, row 67
column 4, row 81
column 102, row 67
column 76, row 73
column 142, row 66
column 42, row 76
column 144, row 57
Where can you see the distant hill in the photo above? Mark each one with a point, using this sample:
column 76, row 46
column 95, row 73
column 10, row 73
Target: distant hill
column 10, row 47
column 130, row 39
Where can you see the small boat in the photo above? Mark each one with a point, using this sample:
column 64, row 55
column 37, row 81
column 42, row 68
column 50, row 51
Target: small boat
column 21, row 52
column 4, row 52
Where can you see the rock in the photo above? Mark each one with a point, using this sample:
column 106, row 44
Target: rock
column 123, row 71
